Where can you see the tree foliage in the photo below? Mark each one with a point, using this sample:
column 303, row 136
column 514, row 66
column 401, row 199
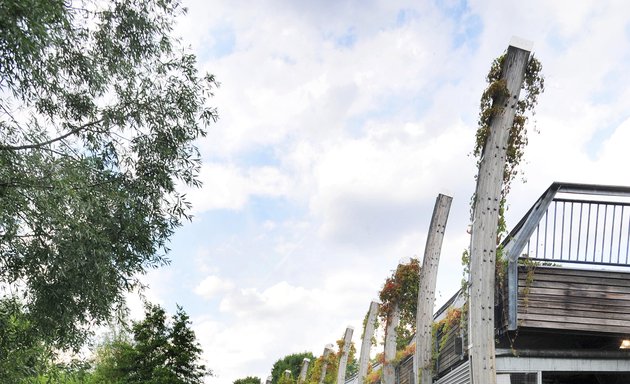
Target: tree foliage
column 292, row 362
column 159, row 352
column 22, row 354
column 332, row 365
column 99, row 111
column 533, row 85
column 401, row 289
column 25, row 357
column 113, row 361
column 248, row 380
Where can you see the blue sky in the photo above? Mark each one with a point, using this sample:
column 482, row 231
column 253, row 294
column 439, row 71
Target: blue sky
column 340, row 122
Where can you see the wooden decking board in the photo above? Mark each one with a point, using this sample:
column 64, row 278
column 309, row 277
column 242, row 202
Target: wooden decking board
column 535, row 308
column 573, row 299
column 576, row 279
column 608, row 274
column 571, row 278
column 578, row 286
column 574, row 319
column 574, row 327
column 569, row 294
column 548, row 304
column 623, row 304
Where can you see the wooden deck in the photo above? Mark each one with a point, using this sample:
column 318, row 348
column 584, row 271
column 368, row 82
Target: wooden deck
column 574, row 300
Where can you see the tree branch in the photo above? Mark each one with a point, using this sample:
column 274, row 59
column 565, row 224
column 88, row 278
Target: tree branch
column 47, row 142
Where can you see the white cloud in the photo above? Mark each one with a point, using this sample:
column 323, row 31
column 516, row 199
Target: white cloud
column 155, row 283
column 374, row 188
column 226, row 186
column 278, row 320
column 271, row 302
column 212, row 286
column 223, row 187
column 363, row 136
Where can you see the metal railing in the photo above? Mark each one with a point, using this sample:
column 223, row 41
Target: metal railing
column 591, row 228
column 582, row 231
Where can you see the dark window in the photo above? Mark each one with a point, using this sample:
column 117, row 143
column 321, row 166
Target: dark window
column 517, row 378
column 585, row 378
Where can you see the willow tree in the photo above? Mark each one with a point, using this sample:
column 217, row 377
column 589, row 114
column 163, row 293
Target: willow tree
column 99, row 113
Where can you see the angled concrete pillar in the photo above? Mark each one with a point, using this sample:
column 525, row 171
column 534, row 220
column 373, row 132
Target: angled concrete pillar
column 303, row 370
column 328, row 349
column 426, row 291
column 343, row 359
column 366, row 343
column 483, row 243
column 389, row 373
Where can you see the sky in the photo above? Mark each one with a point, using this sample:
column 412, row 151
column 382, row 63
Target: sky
column 340, row 122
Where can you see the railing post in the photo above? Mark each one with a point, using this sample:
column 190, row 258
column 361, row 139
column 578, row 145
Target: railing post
column 512, row 286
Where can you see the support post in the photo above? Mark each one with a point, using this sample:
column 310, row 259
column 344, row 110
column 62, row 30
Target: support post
column 426, row 291
column 485, row 221
column 343, row 359
column 513, row 250
column 328, row 349
column 304, row 370
column 389, row 371
column 366, row 343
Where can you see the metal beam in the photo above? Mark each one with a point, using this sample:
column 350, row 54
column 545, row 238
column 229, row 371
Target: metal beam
column 558, row 364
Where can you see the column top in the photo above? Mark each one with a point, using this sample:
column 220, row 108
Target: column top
column 524, row 44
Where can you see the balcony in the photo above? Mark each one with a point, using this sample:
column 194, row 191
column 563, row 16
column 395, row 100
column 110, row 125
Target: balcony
column 562, row 308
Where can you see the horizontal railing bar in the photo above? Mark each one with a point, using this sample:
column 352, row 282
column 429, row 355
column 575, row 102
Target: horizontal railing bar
column 592, row 189
column 602, row 202
column 560, row 261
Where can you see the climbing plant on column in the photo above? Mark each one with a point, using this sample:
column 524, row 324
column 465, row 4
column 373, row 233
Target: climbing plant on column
column 401, row 290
